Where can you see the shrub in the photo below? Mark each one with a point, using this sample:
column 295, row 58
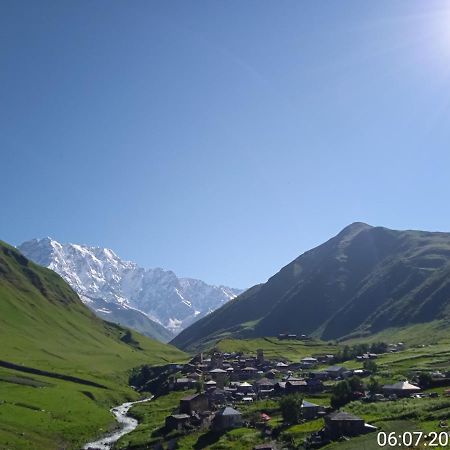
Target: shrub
column 290, row 406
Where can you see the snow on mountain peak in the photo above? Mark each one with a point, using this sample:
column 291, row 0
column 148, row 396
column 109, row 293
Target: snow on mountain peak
column 98, row 273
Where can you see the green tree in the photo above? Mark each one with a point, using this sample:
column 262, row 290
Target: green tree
column 346, row 353
column 425, row 380
column 374, row 386
column 370, row 366
column 290, row 406
column 355, row 384
column 378, row 347
column 341, row 394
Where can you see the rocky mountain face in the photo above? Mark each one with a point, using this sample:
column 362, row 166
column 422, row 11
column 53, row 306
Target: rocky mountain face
column 126, row 293
column 364, row 280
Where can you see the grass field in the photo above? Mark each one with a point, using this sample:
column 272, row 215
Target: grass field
column 60, row 414
column 45, row 326
column 433, row 332
column 151, row 417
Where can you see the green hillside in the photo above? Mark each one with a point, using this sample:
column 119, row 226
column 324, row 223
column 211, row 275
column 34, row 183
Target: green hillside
column 291, row 350
column 361, row 282
column 84, row 361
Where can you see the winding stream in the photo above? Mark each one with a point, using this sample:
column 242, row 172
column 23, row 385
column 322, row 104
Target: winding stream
column 127, row 424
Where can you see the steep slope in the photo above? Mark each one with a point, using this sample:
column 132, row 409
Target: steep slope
column 133, row 294
column 43, row 322
column 363, row 280
column 50, row 340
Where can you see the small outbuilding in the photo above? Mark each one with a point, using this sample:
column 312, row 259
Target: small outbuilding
column 335, row 371
column 264, row 384
column 245, row 388
column 401, row 389
column 310, row 410
column 296, row 386
column 194, row 403
column 211, row 384
column 341, row 423
column 177, row 421
column 227, row 418
column 219, row 376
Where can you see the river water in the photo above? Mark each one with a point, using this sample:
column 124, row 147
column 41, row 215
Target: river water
column 127, row 424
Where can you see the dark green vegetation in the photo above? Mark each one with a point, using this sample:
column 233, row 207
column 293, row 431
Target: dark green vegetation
column 290, row 407
column 362, row 282
column 62, row 367
column 343, row 391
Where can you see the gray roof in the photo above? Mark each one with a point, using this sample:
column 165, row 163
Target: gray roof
column 183, row 380
column 402, row 385
column 335, row 369
column 229, row 411
column 296, row 383
column 342, row 415
column 306, row 404
column 264, row 381
column 180, row 416
column 291, row 378
column 191, row 397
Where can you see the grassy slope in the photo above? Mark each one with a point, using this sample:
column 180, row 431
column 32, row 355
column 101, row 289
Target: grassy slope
column 44, row 325
column 419, row 355
column 432, row 332
column 366, row 279
column 291, row 350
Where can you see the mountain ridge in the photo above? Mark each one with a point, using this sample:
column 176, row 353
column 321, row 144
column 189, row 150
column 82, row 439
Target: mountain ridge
column 364, row 279
column 154, row 301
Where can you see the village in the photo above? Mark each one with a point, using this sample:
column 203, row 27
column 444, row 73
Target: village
column 224, row 386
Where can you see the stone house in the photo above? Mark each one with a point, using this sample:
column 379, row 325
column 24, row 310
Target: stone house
column 335, row 371
column 177, row 421
column 227, row 418
column 310, row 410
column 194, row 403
column 401, row 389
column 341, row 423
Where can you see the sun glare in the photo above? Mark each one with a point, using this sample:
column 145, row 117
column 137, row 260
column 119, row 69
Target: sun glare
column 439, row 24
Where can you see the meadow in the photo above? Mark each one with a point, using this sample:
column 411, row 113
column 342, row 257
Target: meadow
column 288, row 349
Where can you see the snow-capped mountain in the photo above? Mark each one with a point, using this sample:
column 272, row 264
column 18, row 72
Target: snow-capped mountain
column 105, row 283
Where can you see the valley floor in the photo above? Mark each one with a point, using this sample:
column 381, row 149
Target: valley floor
column 411, row 414
column 46, row 405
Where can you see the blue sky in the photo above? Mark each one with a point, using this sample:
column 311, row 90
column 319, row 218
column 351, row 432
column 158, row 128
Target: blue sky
column 221, row 139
